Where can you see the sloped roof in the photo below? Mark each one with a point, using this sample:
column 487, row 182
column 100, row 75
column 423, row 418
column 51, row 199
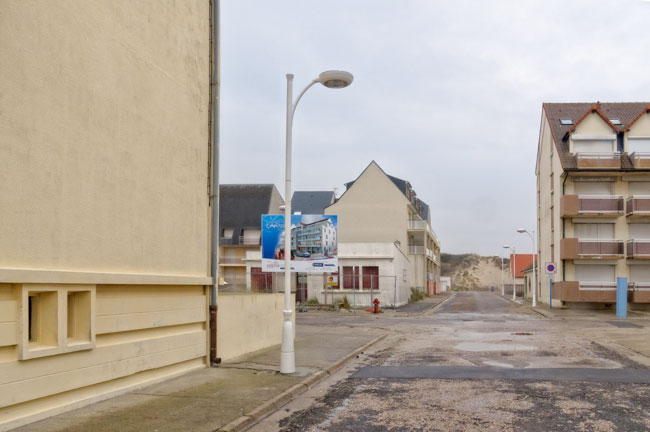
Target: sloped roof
column 401, row 185
column 242, row 205
column 626, row 112
column 311, row 202
column 522, row 261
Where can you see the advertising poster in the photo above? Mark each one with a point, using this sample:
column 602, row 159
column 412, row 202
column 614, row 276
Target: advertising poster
column 313, row 243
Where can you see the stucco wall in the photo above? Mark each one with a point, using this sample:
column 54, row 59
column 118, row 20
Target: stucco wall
column 373, row 210
column 103, row 198
column 104, row 135
column 249, row 322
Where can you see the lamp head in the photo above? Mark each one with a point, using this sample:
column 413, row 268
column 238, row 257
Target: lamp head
column 506, row 247
column 521, row 230
column 335, row 79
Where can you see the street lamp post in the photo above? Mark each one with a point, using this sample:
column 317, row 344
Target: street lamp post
column 514, row 270
column 331, row 79
column 532, row 239
column 503, row 288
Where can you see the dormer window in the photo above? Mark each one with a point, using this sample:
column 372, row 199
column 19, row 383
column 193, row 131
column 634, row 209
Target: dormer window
column 594, row 143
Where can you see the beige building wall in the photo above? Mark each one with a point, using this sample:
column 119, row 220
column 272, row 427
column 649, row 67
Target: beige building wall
column 249, row 322
column 550, row 177
column 373, row 210
column 104, row 255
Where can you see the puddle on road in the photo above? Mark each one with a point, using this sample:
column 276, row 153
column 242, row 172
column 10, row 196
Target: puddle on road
column 482, row 346
column 497, row 364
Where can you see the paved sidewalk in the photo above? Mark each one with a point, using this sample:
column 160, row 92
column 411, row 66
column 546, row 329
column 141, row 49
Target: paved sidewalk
column 629, row 336
column 229, row 397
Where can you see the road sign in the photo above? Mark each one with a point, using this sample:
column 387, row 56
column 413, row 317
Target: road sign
column 551, row 268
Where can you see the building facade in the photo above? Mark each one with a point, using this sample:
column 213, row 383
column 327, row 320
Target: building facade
column 104, row 199
column 593, row 201
column 240, row 218
column 385, row 242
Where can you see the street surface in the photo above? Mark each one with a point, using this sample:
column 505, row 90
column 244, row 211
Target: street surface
column 477, row 362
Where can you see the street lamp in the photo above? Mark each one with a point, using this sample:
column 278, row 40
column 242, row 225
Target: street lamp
column 503, row 289
column 514, row 270
column 331, row 79
column 532, row 239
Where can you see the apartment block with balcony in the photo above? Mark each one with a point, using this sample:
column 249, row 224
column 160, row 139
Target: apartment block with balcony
column 593, row 201
column 386, row 245
column 240, row 215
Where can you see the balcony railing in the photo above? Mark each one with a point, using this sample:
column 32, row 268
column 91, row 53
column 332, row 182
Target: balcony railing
column 591, row 205
column 417, row 225
column 639, row 292
column 231, row 260
column 587, row 292
column 599, row 160
column 639, row 249
column 240, row 241
column 573, row 248
column 638, row 205
column 640, row 160
column 416, row 250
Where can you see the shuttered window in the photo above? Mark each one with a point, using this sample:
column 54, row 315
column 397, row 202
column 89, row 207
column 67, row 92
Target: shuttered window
column 595, row 273
column 594, row 188
column 594, row 231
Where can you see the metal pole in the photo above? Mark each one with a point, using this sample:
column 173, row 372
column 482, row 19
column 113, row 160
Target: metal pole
column 395, row 292
column 287, row 354
column 534, row 269
column 354, row 291
column 514, row 273
column 503, row 288
column 550, row 291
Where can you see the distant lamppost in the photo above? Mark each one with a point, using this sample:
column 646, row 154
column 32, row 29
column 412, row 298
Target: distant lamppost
column 503, row 289
column 532, row 239
column 331, row 79
column 514, row 269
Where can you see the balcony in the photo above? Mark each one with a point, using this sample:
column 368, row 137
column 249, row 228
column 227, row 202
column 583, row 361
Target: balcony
column 639, row 292
column 417, row 225
column 637, row 206
column 585, row 292
column 638, row 249
column 230, row 260
column 573, row 248
column 591, row 205
column 640, row 160
column 240, row 241
column 417, row 250
column 599, row 160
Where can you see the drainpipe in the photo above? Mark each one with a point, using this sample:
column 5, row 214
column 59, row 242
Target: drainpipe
column 563, row 227
column 215, row 79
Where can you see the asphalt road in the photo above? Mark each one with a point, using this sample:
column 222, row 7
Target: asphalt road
column 476, row 362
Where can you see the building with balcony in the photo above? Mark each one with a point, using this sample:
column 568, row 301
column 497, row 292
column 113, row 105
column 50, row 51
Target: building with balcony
column 385, row 242
column 240, row 216
column 593, row 201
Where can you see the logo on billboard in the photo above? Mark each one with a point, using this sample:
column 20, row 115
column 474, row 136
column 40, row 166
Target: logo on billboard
column 314, row 244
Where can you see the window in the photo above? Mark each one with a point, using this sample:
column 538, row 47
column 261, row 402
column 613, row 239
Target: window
column 552, row 218
column 594, row 231
column 566, row 121
column 639, row 188
column 350, row 277
column 552, row 183
column 638, row 145
column 56, row 319
column 594, row 188
column 595, row 273
column 370, row 277
column 594, row 146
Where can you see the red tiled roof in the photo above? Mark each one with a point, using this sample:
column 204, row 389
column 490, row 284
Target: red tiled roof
column 645, row 110
column 522, row 261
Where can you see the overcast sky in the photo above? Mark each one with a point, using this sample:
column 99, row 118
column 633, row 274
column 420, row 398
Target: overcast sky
column 446, row 95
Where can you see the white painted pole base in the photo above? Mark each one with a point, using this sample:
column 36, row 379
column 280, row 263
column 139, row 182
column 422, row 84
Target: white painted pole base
column 287, row 353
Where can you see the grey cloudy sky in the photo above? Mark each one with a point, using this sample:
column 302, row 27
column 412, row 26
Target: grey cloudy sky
column 447, row 95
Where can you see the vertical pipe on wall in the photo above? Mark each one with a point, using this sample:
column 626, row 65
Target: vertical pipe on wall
column 215, row 75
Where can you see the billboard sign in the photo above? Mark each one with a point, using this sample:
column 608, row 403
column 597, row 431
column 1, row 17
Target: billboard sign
column 314, row 245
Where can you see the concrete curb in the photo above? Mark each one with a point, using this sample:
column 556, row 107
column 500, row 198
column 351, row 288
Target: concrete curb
column 257, row 414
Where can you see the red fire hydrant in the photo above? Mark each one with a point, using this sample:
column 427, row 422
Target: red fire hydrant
column 376, row 302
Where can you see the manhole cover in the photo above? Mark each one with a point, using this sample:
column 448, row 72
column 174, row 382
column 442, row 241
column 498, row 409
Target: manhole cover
column 522, row 334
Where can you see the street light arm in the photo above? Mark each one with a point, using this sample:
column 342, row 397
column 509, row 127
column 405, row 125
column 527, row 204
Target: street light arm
column 295, row 104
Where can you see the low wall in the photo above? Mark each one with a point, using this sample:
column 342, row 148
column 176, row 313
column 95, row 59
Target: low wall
column 248, row 322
